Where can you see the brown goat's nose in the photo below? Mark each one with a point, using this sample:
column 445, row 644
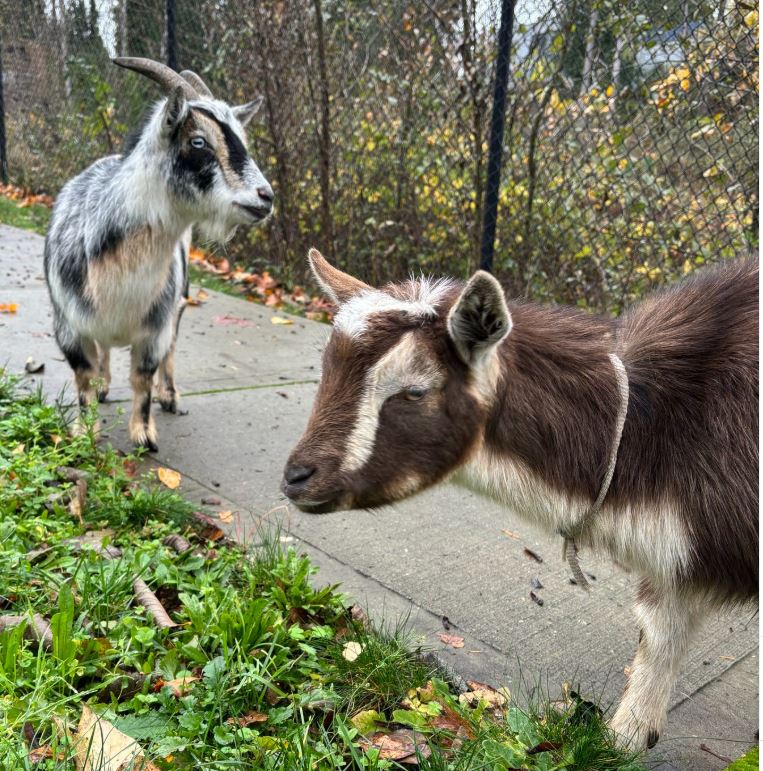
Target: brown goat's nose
column 298, row 475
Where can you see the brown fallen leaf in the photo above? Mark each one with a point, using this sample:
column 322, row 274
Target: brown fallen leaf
column 530, row 554
column 77, row 500
column 248, row 719
column 225, row 516
column 544, row 747
column 44, row 752
column 451, row 639
column 169, row 477
column 179, row 687
column 210, row 500
column 400, row 745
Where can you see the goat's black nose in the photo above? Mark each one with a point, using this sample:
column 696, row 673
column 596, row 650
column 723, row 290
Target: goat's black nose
column 266, row 193
column 297, row 475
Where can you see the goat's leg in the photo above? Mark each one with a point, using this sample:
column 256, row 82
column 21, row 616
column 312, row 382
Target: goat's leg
column 82, row 355
column 668, row 621
column 166, row 389
column 142, row 428
column 104, row 372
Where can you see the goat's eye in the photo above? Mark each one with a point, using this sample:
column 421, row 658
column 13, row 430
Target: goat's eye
column 414, row 393
column 199, row 143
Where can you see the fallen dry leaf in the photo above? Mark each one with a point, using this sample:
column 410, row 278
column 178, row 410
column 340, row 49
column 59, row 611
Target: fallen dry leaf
column 211, row 501
column 8, row 307
column 451, row 639
column 352, row 650
column 56, row 439
column 248, row 719
column 400, row 745
column 232, row 321
column 280, row 320
column 99, row 746
column 483, row 692
column 225, row 516
column 180, row 686
column 169, row 478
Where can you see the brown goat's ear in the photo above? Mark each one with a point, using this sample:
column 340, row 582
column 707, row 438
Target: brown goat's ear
column 480, row 318
column 339, row 286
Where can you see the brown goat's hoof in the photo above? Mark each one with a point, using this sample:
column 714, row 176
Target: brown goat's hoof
column 149, row 445
column 652, row 738
column 102, row 396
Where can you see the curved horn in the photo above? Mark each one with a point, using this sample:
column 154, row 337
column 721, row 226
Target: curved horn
column 197, row 83
column 158, row 72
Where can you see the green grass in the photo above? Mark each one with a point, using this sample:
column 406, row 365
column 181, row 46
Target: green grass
column 33, row 217
column 254, row 637
column 750, row 762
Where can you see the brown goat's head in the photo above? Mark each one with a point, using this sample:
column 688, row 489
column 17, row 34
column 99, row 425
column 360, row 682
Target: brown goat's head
column 403, row 395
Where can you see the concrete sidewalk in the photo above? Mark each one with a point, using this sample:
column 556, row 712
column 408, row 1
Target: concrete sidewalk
column 248, row 386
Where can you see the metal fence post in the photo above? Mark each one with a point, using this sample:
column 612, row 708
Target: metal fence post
column 172, row 43
column 3, row 150
column 495, row 148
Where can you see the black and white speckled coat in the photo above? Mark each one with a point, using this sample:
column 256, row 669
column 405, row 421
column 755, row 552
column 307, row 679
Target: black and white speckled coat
column 116, row 250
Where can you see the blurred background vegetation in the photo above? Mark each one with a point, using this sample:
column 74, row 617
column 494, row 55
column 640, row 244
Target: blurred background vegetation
column 630, row 149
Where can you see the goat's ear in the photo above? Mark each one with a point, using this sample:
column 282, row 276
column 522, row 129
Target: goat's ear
column 339, row 286
column 480, row 318
column 245, row 112
column 175, row 110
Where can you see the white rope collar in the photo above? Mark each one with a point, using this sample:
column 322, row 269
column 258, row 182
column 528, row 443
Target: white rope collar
column 569, row 548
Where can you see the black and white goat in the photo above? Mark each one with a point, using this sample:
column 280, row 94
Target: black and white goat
column 117, row 246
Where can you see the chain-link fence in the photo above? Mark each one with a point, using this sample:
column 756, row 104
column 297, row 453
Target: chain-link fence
column 630, row 145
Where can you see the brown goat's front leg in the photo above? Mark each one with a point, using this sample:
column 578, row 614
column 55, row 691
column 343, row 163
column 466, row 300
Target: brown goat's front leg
column 668, row 621
column 142, row 429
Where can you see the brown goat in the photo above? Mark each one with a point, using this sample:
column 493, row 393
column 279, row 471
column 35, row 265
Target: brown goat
column 425, row 381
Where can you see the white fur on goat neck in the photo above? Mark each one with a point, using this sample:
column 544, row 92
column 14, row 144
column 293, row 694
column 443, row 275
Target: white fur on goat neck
column 651, row 539
column 353, row 316
column 399, row 368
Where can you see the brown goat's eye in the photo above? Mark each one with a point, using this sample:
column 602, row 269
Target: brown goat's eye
column 414, row 393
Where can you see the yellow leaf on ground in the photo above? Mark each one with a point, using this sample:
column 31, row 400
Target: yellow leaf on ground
column 169, row 478
column 280, row 320
column 225, row 516
column 8, row 307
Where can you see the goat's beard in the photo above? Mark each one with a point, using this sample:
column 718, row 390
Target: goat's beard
column 217, row 230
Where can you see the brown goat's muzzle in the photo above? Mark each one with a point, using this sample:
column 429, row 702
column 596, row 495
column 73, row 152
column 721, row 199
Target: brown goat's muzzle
column 303, row 487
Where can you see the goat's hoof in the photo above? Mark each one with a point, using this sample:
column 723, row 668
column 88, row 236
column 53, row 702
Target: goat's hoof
column 148, row 444
column 169, row 405
column 652, row 738
column 102, row 396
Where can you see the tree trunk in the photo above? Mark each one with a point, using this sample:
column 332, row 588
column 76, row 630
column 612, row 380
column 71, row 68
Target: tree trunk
column 324, row 134
column 587, row 77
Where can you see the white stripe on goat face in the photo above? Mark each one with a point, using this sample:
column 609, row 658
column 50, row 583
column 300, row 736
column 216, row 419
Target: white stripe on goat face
column 406, row 364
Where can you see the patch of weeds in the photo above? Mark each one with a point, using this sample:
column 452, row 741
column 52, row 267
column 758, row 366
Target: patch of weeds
column 257, row 667
column 749, row 762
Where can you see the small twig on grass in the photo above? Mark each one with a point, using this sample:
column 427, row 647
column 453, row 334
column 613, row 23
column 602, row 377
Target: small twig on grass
column 38, row 630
